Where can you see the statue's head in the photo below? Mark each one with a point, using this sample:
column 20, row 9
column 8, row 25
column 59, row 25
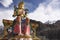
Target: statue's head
column 21, row 5
column 16, row 11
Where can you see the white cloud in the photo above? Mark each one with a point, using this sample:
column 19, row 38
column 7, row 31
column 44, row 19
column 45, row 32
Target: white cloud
column 6, row 3
column 46, row 12
column 6, row 14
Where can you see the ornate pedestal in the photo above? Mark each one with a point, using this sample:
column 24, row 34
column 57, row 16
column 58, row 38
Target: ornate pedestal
column 25, row 37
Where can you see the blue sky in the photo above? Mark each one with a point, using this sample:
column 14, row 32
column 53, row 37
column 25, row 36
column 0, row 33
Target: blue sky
column 40, row 10
column 31, row 4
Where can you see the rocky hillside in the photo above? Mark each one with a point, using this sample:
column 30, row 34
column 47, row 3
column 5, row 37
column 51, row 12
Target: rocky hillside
column 50, row 31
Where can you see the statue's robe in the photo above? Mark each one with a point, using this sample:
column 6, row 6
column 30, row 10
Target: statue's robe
column 25, row 27
column 16, row 29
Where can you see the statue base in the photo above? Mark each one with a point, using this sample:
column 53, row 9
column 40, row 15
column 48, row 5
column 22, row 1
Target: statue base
column 24, row 37
column 36, row 38
column 27, row 36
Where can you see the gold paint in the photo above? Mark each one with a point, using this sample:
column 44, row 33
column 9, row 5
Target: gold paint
column 21, row 5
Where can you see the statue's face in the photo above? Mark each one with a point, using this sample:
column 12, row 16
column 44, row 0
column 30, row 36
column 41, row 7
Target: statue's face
column 21, row 6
